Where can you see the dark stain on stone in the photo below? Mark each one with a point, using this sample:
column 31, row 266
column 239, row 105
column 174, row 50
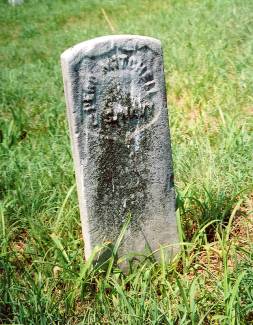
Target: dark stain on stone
column 122, row 177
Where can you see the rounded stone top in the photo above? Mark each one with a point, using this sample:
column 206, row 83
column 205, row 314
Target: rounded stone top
column 103, row 44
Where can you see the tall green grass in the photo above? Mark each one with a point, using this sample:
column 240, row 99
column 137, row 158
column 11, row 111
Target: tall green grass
column 208, row 67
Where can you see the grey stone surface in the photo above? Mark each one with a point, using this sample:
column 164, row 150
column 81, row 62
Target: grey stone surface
column 15, row 2
column 118, row 119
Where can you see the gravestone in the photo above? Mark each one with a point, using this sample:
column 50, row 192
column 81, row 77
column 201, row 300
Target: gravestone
column 118, row 119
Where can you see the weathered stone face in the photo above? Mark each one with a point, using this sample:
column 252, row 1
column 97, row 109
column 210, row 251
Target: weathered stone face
column 118, row 120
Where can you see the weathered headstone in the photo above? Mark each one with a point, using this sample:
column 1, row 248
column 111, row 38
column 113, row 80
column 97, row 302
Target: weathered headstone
column 117, row 112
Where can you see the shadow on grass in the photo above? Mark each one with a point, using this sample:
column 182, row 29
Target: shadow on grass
column 197, row 211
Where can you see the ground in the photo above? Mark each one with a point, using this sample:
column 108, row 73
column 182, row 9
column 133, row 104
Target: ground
column 208, row 69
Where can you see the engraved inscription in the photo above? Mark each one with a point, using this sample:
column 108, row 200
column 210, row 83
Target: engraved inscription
column 117, row 94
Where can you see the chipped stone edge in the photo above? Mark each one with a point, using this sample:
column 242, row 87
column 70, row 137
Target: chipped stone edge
column 69, row 97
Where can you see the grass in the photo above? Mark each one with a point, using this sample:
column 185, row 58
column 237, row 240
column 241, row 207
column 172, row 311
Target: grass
column 208, row 67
